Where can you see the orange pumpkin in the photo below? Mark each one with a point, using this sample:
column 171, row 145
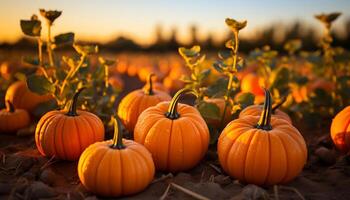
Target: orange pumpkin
column 12, row 119
column 220, row 103
column 340, row 130
column 116, row 167
column 65, row 135
column 253, row 84
column 19, row 94
column 263, row 151
column 132, row 105
column 175, row 134
column 256, row 110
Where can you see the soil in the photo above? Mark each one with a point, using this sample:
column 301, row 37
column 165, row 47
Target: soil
column 25, row 174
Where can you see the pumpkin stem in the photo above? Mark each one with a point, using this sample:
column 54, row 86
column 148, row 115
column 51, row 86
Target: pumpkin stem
column 172, row 110
column 277, row 105
column 265, row 118
column 73, row 106
column 9, row 106
column 150, row 85
column 117, row 138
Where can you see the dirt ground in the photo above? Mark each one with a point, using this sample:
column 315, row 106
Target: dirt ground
column 25, row 174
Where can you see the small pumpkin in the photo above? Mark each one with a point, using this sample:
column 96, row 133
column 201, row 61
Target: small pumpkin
column 175, row 134
column 256, row 110
column 137, row 101
column 340, row 130
column 12, row 119
column 65, row 135
column 263, row 151
column 252, row 83
column 116, row 167
column 21, row 97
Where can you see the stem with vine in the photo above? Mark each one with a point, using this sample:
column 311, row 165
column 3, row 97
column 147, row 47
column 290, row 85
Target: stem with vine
column 231, row 76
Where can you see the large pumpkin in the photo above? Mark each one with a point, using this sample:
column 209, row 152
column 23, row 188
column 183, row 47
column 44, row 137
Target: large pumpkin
column 256, row 110
column 116, row 167
column 137, row 101
column 262, row 151
column 19, row 94
column 65, row 135
column 12, row 119
column 175, row 134
column 340, row 130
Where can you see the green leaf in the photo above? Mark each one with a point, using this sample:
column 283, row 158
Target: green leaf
column 209, row 110
column 40, row 85
column 245, row 99
column 45, row 107
column 192, row 52
column 30, row 60
column 86, row 49
column 218, row 88
column 50, row 15
column 31, row 27
column 64, row 39
column 280, row 78
column 204, row 74
column 224, row 54
column 218, row 67
column 235, row 25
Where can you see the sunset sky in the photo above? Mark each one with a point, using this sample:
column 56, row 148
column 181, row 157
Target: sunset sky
column 103, row 20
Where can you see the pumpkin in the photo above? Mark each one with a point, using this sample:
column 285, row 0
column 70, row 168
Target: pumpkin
column 220, row 103
column 175, row 134
column 253, row 84
column 256, row 110
column 65, row 135
column 12, row 119
column 21, row 97
column 137, row 101
column 132, row 70
column 116, row 167
column 262, row 151
column 340, row 130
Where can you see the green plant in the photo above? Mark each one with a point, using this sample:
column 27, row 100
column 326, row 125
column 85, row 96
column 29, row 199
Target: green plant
column 62, row 77
column 229, row 63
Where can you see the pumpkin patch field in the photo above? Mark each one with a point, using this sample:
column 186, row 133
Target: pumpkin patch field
column 81, row 120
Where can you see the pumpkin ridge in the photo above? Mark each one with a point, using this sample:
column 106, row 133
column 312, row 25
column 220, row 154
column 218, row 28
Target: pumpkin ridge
column 44, row 129
column 97, row 167
column 82, row 160
column 287, row 157
column 169, row 145
column 104, row 158
column 253, row 133
column 91, row 127
column 141, row 156
column 86, row 126
column 195, row 127
column 269, row 160
column 245, row 153
column 37, row 136
column 62, row 139
column 78, row 135
column 54, row 139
